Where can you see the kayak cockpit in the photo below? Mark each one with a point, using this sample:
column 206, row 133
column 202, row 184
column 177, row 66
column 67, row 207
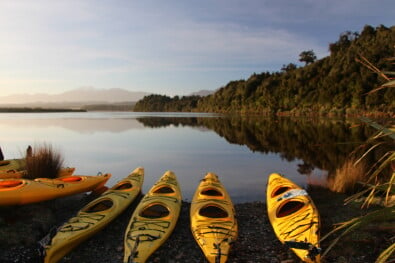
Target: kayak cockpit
column 164, row 190
column 3, row 163
column 99, row 207
column 71, row 179
column 155, row 211
column 213, row 211
column 6, row 184
column 211, row 192
column 289, row 207
column 280, row 190
column 123, row 186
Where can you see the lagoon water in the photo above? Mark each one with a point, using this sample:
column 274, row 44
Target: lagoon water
column 241, row 151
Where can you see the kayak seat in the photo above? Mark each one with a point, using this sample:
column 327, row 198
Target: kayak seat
column 101, row 206
column 289, row 208
column 280, row 190
column 155, row 211
column 211, row 192
column 164, row 190
column 213, row 211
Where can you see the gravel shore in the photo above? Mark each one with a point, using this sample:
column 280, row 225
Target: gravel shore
column 22, row 227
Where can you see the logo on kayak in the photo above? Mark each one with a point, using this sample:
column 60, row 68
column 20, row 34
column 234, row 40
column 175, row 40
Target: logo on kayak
column 292, row 193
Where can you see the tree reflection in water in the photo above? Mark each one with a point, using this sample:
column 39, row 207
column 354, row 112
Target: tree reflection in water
column 320, row 143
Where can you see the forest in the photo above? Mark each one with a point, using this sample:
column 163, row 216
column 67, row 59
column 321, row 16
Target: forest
column 338, row 84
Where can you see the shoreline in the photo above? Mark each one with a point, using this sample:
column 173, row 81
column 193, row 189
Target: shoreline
column 22, row 227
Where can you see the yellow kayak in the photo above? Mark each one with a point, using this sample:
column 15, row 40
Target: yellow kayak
column 294, row 217
column 12, row 164
column 67, row 171
column 153, row 219
column 94, row 216
column 213, row 221
column 25, row 191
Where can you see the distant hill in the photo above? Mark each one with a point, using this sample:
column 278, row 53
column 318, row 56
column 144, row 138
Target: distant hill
column 81, row 96
column 202, row 93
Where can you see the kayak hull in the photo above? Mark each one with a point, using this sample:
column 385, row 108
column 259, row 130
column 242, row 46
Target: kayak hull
column 153, row 220
column 294, row 217
column 94, row 216
column 213, row 221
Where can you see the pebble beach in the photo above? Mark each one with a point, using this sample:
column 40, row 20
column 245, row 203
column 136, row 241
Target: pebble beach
column 21, row 228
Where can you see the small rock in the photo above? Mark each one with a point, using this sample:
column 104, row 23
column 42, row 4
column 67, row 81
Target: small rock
column 119, row 248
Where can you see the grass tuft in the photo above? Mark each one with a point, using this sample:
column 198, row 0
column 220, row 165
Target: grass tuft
column 43, row 161
column 347, row 176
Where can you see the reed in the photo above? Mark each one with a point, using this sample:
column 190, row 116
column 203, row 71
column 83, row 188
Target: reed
column 347, row 177
column 43, row 161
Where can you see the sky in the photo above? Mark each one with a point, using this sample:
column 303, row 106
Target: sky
column 169, row 47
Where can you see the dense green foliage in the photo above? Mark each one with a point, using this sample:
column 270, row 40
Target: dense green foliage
column 158, row 103
column 336, row 84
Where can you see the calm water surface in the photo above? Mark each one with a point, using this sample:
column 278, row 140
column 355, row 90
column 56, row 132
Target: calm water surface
column 241, row 151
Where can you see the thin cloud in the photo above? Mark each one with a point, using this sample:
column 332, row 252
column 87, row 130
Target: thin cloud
column 117, row 43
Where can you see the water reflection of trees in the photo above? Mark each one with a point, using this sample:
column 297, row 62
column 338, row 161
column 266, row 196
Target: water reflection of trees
column 320, row 143
column 156, row 122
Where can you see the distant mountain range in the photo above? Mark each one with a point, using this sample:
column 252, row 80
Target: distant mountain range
column 79, row 98
column 203, row 93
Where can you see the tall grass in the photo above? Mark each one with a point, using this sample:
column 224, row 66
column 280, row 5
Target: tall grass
column 347, row 177
column 43, row 161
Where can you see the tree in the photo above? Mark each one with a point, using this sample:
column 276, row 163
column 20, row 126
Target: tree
column 289, row 67
column 307, row 56
column 345, row 39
